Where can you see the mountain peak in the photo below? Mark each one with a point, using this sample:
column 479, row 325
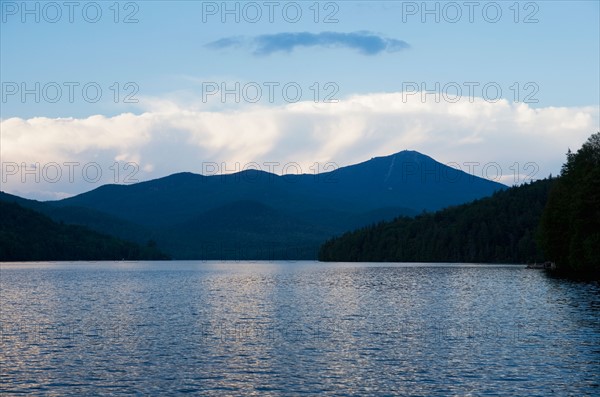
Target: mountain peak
column 305, row 209
column 410, row 155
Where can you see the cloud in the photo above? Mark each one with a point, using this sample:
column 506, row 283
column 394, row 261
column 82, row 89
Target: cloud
column 172, row 137
column 234, row 41
column 367, row 43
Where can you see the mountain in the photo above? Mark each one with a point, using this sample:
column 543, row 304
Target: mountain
column 497, row 229
column 27, row 235
column 93, row 219
column 257, row 215
column 244, row 230
column 407, row 180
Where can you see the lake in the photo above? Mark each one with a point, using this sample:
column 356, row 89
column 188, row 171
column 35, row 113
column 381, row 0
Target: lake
column 295, row 328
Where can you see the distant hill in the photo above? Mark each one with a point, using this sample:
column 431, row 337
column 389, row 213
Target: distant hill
column 26, row 235
column 244, row 230
column 257, row 215
column 90, row 218
column 407, row 181
column 497, row 229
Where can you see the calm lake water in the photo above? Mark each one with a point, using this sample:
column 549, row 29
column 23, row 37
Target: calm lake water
column 293, row 328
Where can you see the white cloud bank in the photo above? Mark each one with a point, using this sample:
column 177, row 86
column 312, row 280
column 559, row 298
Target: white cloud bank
column 171, row 138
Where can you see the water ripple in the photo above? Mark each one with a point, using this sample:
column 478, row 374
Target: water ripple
column 295, row 328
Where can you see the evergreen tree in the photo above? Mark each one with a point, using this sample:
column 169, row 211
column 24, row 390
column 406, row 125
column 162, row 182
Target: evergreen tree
column 570, row 226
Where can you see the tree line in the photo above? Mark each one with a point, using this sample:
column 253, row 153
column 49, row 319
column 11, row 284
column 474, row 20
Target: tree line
column 27, row 235
column 555, row 219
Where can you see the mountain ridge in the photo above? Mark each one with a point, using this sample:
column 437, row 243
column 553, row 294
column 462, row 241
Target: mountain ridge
column 305, row 209
column 28, row 235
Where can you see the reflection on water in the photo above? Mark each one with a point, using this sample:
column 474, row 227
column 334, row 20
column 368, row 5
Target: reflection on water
column 290, row 328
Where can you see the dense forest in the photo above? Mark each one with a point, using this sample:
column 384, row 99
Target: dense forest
column 497, row 229
column 555, row 219
column 26, row 235
column 570, row 224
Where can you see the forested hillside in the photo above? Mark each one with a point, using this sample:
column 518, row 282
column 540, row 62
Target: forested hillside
column 26, row 235
column 570, row 225
column 498, row 229
column 555, row 220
